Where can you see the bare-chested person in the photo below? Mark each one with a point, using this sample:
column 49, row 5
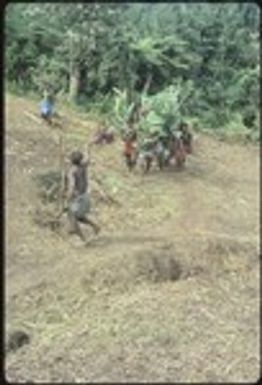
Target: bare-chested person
column 186, row 137
column 78, row 195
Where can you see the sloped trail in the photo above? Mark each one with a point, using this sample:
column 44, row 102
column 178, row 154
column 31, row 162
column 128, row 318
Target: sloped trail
column 208, row 215
column 215, row 199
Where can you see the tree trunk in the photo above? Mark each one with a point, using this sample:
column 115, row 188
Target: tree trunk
column 74, row 83
column 147, row 83
column 74, row 70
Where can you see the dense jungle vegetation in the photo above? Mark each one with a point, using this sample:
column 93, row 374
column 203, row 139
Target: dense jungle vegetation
column 208, row 52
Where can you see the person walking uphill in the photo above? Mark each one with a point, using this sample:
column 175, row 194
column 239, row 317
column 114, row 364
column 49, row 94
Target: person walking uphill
column 78, row 196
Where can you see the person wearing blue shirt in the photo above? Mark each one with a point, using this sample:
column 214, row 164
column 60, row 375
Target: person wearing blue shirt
column 47, row 108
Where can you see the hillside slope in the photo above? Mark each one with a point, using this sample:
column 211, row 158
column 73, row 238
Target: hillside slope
column 170, row 290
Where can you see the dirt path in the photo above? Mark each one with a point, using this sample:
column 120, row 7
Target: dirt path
column 111, row 312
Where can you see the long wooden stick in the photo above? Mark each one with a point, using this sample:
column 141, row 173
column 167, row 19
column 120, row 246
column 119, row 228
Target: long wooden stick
column 103, row 193
column 33, row 117
column 62, row 173
column 147, row 84
column 55, row 123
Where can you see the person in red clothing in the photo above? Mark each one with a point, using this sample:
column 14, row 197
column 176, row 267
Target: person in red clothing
column 130, row 148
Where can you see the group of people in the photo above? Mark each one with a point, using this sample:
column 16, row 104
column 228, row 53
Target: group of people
column 172, row 143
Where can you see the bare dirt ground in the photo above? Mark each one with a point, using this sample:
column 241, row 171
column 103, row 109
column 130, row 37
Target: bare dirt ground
column 170, row 289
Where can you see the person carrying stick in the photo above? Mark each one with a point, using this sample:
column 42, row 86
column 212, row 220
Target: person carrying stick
column 77, row 193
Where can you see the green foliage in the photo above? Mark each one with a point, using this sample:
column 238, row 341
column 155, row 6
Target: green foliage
column 160, row 106
column 209, row 52
column 122, row 109
column 166, row 104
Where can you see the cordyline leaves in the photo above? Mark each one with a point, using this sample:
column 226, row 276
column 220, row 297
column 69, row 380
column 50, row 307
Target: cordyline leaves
column 160, row 107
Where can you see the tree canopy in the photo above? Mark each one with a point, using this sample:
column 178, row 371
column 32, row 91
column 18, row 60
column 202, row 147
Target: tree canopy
column 86, row 51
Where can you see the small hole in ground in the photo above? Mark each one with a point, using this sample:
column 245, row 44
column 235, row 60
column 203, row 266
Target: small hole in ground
column 159, row 266
column 16, row 340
